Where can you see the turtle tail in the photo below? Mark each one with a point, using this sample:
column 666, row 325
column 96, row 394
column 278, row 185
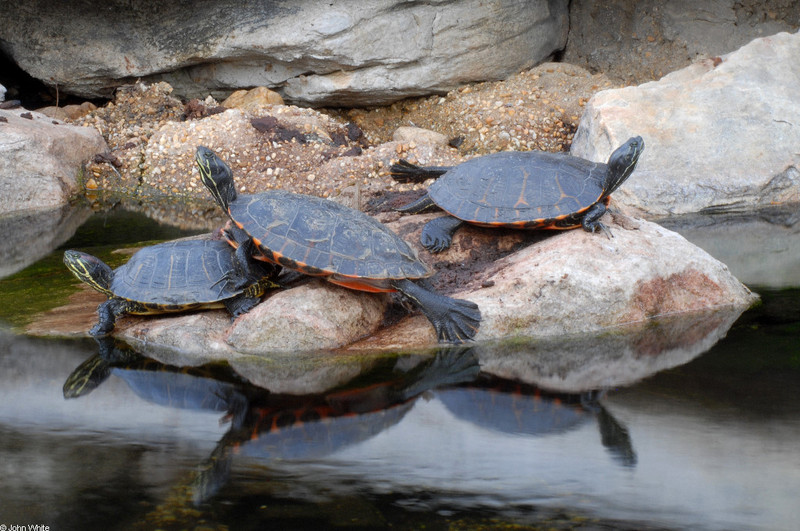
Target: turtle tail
column 405, row 172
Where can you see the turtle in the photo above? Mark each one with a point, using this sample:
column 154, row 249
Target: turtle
column 521, row 190
column 319, row 237
column 170, row 277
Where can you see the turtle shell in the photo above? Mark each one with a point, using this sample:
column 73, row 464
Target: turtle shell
column 177, row 274
column 521, row 189
column 323, row 238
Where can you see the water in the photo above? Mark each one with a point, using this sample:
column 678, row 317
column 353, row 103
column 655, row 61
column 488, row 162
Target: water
column 686, row 425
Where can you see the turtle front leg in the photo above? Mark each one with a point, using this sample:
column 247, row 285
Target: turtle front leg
column 107, row 313
column 241, row 304
column 246, row 301
column 437, row 234
column 591, row 221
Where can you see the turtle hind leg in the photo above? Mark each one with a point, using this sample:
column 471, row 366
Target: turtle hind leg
column 405, row 172
column 420, row 205
column 455, row 320
column 591, row 221
column 437, row 234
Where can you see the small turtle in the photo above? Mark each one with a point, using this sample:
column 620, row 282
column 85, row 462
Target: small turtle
column 323, row 238
column 170, row 277
column 521, row 190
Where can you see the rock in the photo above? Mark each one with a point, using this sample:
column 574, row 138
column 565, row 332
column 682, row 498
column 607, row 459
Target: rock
column 2, row 93
column 419, row 135
column 252, row 100
column 317, row 53
column 569, row 283
column 42, row 160
column 636, row 41
column 576, row 282
column 721, row 135
column 68, row 112
column 317, row 315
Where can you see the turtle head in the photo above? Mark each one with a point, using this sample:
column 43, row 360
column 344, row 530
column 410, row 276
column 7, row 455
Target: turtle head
column 622, row 162
column 216, row 176
column 90, row 269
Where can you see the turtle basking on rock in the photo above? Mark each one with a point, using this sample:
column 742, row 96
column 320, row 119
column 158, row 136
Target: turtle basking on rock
column 318, row 237
column 171, row 277
column 521, row 190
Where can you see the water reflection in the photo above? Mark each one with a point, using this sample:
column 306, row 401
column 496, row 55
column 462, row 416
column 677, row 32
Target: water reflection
column 29, row 236
column 767, row 243
column 278, row 427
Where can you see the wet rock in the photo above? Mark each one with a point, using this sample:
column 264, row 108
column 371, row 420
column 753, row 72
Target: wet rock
column 42, row 160
column 721, row 135
column 319, row 53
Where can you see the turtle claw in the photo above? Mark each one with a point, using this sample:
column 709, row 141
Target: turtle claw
column 434, row 245
column 603, row 228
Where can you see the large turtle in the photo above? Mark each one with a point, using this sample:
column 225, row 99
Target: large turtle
column 170, row 277
column 323, row 238
column 521, row 190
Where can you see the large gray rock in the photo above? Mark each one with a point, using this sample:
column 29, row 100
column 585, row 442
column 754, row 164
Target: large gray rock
column 722, row 135
column 342, row 53
column 42, row 159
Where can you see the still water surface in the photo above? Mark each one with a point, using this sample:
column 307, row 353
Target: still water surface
column 690, row 425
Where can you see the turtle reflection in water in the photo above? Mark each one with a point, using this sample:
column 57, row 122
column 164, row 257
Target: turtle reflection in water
column 517, row 408
column 171, row 277
column 272, row 425
column 520, row 190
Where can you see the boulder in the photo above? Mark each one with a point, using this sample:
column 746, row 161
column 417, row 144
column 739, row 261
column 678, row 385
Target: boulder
column 42, row 160
column 721, row 135
column 545, row 286
column 2, row 93
column 348, row 53
column 639, row 40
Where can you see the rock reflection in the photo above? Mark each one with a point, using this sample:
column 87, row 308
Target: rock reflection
column 29, row 236
column 598, row 361
column 767, row 249
column 515, row 408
